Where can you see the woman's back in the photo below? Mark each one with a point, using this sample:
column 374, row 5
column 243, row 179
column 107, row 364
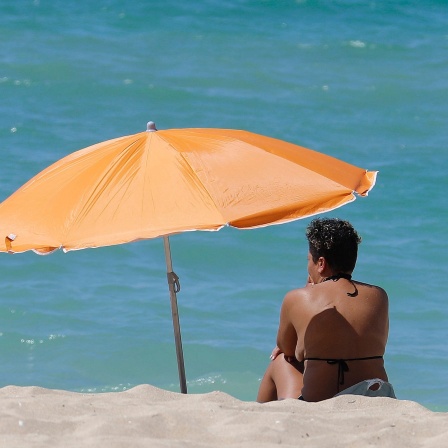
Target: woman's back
column 339, row 324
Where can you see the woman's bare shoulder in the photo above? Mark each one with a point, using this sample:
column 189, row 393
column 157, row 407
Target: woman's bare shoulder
column 298, row 297
column 376, row 290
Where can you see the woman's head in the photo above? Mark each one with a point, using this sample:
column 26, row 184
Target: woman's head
column 335, row 240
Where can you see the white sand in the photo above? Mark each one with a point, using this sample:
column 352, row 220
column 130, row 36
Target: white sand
column 149, row 417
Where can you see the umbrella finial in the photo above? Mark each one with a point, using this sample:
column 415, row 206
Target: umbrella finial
column 151, row 127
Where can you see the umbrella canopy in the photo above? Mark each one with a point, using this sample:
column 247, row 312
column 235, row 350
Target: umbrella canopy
column 169, row 181
column 157, row 183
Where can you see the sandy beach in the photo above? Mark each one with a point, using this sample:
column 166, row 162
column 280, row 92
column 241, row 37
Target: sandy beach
column 148, row 416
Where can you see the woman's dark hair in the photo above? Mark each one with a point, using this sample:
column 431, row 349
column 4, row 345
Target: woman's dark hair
column 335, row 240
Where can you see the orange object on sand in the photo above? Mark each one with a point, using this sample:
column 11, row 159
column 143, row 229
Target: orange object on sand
column 164, row 182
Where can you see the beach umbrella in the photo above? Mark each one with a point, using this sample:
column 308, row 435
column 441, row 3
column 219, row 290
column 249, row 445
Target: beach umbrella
column 162, row 182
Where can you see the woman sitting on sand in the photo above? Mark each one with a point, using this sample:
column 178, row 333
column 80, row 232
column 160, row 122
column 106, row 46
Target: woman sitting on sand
column 333, row 332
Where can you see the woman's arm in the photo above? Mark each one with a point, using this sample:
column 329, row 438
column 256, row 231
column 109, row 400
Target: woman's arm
column 287, row 335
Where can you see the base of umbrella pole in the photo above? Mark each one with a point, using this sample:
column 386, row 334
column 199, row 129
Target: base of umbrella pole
column 174, row 287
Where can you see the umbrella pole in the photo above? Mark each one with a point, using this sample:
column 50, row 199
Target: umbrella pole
column 174, row 287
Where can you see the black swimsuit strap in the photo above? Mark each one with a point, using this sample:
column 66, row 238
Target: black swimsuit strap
column 342, row 364
column 348, row 277
column 338, row 276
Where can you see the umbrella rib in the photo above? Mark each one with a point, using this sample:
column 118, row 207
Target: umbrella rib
column 195, row 176
column 111, row 173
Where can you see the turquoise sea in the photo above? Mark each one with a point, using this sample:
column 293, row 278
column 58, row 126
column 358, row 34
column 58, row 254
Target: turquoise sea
column 364, row 81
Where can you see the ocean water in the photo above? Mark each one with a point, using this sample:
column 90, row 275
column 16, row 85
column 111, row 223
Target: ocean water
column 366, row 82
